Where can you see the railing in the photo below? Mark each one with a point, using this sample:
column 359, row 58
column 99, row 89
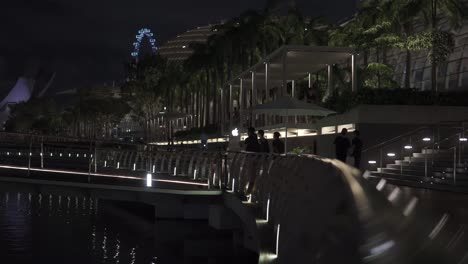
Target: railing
column 313, row 206
column 428, row 144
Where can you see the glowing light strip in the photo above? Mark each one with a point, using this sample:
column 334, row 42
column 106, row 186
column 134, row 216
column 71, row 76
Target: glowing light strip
column 101, row 175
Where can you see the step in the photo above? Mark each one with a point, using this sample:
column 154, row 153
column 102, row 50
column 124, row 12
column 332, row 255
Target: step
column 420, row 179
column 421, row 167
column 416, row 184
column 436, row 164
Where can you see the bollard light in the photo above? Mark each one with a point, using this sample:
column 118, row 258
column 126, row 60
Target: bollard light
column 19, row 153
column 8, row 153
column 85, row 155
column 149, row 180
column 69, row 154
column 51, row 154
column 268, row 210
column 277, row 239
column 60, row 154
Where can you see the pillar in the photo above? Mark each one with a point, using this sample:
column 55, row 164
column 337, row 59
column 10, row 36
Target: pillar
column 231, row 107
column 330, row 84
column 283, row 91
column 353, row 73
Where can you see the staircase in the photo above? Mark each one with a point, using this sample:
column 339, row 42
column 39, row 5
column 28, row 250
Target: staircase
column 439, row 165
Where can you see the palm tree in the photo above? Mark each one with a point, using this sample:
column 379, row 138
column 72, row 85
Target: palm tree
column 454, row 10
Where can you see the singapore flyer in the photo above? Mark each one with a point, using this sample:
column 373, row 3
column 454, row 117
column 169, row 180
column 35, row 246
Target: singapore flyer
column 142, row 33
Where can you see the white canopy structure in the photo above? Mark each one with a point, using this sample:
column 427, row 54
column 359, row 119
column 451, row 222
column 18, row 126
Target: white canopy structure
column 269, row 79
column 288, row 106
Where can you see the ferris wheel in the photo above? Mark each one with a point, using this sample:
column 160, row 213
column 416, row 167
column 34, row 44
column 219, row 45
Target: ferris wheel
column 142, row 33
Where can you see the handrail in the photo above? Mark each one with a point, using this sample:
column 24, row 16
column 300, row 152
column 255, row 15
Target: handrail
column 442, row 123
column 395, row 138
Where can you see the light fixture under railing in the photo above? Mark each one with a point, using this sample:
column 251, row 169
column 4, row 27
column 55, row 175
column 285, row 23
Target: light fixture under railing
column 408, row 147
column 149, row 180
column 372, row 162
column 426, row 139
column 391, row 154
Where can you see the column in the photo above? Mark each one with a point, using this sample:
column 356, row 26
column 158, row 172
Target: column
column 293, row 90
column 241, row 101
column 231, row 108
column 353, row 73
column 284, row 90
column 253, row 100
column 221, row 110
column 266, row 82
column 330, row 84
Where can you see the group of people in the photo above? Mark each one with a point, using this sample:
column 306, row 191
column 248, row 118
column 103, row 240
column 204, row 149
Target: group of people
column 343, row 146
column 258, row 143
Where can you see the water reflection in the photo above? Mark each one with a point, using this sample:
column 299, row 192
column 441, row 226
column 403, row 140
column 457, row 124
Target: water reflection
column 57, row 229
column 33, row 233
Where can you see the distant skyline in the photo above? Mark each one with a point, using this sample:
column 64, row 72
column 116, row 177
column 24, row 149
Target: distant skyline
column 87, row 42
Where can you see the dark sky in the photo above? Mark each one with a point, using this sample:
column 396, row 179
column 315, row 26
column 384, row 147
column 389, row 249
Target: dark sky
column 87, row 41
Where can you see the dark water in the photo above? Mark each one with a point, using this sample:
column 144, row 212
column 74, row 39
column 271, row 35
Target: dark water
column 57, row 229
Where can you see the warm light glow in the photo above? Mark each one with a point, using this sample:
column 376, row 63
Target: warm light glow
column 149, row 180
column 328, row 130
column 349, row 127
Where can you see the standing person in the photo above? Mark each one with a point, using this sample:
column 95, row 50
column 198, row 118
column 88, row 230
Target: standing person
column 357, row 149
column 277, row 144
column 342, row 145
column 264, row 146
column 251, row 142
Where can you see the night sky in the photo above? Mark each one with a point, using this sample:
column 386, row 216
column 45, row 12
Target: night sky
column 87, row 41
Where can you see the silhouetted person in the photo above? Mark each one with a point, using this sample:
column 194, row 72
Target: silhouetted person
column 357, row 149
column 264, row 146
column 251, row 142
column 342, row 145
column 277, row 144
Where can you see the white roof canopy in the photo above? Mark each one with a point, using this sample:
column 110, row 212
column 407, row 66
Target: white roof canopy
column 292, row 63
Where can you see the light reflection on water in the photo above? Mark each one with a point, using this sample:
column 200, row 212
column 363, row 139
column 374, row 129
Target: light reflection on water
column 65, row 229
column 59, row 229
